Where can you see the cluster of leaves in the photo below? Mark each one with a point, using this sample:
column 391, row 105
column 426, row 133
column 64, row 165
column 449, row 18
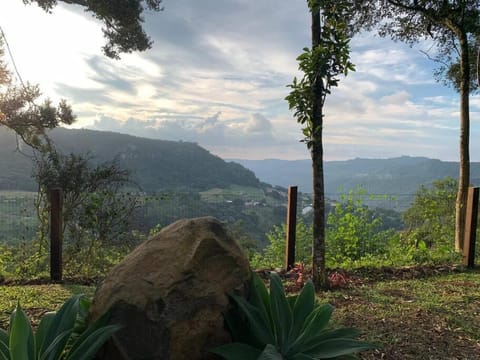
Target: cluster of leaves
column 431, row 218
column 353, row 230
column 321, row 65
column 20, row 112
column 97, row 208
column 276, row 326
column 30, row 260
column 356, row 235
column 60, row 335
column 122, row 21
column 273, row 255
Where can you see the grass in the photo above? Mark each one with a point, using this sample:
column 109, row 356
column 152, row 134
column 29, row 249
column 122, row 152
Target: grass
column 36, row 300
column 233, row 192
column 436, row 317
column 431, row 318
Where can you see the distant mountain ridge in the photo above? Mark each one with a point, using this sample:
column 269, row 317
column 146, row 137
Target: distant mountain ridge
column 156, row 165
column 402, row 175
column 159, row 165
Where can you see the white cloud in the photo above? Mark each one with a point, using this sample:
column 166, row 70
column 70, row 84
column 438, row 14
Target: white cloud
column 217, row 74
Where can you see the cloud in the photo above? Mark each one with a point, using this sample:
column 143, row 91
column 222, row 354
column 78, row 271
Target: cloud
column 211, row 132
column 217, row 75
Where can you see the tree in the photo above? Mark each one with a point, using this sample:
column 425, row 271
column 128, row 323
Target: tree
column 321, row 65
column 453, row 25
column 431, row 217
column 122, row 20
column 97, row 208
column 19, row 112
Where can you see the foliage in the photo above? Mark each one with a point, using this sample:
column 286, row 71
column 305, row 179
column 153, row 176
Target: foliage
column 97, row 208
column 60, row 335
column 454, row 27
column 354, row 230
column 122, row 21
column 324, row 63
column 321, row 66
column 20, row 113
column 285, row 327
column 431, row 218
column 273, row 255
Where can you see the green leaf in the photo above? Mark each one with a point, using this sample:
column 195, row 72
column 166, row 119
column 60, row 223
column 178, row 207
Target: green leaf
column 302, row 356
column 4, row 341
column 55, row 348
column 91, row 341
column 291, row 299
column 315, row 322
column 21, row 342
column 343, row 333
column 237, row 351
column 261, row 330
column 280, row 311
column 318, row 319
column 337, row 347
column 259, row 297
column 303, row 308
column 63, row 321
column 270, row 353
column 42, row 330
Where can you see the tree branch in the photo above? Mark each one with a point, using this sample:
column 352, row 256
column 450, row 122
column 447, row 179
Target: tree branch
column 434, row 59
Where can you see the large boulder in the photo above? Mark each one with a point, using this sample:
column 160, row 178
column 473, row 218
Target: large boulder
column 171, row 291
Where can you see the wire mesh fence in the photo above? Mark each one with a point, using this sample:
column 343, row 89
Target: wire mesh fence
column 18, row 217
column 19, row 220
column 251, row 216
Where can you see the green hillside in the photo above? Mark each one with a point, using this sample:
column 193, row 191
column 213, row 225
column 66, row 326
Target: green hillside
column 156, row 165
column 402, row 175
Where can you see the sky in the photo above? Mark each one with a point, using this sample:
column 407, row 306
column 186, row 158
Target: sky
column 217, row 75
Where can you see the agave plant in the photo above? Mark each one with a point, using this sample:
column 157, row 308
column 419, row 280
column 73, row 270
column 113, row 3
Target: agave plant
column 273, row 326
column 60, row 335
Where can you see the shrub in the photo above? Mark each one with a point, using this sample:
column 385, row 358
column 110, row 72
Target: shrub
column 285, row 327
column 60, row 335
column 273, row 256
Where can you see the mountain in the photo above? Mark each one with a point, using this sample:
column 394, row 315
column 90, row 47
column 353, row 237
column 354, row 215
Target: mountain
column 402, row 175
column 156, row 165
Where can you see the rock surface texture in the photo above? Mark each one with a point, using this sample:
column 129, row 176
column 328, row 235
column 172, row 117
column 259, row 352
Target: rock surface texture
column 170, row 293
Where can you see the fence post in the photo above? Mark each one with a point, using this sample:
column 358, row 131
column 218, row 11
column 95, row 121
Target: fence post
column 291, row 228
column 471, row 227
column 56, row 225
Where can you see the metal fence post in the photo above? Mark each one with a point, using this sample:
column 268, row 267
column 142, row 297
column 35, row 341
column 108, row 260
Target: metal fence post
column 56, row 225
column 471, row 227
column 291, row 228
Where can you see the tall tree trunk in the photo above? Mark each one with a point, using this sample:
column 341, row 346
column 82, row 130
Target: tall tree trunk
column 464, row 168
column 320, row 278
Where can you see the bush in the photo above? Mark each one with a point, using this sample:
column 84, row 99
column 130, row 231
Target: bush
column 273, row 256
column 281, row 327
column 60, row 335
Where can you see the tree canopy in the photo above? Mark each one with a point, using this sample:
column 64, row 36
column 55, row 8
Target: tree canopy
column 122, row 20
column 454, row 27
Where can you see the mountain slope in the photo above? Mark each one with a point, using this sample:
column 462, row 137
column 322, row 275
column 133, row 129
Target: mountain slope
column 155, row 164
column 401, row 175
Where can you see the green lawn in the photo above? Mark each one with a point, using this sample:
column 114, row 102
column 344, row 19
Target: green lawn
column 436, row 317
column 432, row 318
column 36, row 299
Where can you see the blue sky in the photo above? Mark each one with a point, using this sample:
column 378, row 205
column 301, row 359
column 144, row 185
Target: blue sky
column 217, row 75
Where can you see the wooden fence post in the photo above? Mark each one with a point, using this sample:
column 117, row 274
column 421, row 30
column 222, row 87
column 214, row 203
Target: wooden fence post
column 56, row 225
column 291, row 228
column 471, row 227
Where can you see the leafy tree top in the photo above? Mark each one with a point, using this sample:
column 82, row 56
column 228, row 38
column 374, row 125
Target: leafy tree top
column 122, row 20
column 446, row 22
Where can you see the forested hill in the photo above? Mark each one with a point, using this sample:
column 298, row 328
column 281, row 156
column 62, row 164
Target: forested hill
column 402, row 175
column 155, row 164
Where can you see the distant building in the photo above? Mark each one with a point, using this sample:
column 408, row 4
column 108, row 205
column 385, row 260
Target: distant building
column 306, row 210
